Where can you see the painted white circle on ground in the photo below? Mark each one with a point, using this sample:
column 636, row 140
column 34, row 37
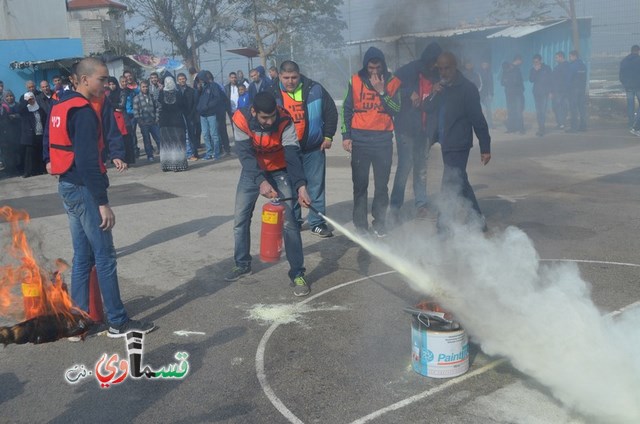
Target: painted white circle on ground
column 291, row 417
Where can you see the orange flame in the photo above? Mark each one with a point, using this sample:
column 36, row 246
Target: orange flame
column 43, row 293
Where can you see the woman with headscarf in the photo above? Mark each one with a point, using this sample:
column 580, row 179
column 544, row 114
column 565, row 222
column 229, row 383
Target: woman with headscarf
column 34, row 119
column 10, row 126
column 118, row 98
column 173, row 152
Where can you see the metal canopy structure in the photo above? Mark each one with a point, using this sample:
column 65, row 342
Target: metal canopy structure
column 247, row 52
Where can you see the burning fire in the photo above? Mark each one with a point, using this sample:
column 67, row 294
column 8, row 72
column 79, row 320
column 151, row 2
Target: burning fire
column 47, row 305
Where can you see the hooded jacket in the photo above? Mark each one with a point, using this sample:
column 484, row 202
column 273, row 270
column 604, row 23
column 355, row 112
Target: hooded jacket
column 210, row 99
column 265, row 84
column 320, row 113
column 409, row 119
column 390, row 102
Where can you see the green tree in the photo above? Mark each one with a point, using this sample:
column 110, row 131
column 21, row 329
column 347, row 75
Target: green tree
column 273, row 25
column 187, row 24
column 540, row 8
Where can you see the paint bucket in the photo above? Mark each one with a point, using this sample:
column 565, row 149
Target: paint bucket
column 437, row 351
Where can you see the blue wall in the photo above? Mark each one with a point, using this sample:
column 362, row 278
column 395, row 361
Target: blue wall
column 32, row 50
column 545, row 43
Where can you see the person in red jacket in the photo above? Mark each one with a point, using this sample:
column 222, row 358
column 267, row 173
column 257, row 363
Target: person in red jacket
column 269, row 152
column 76, row 154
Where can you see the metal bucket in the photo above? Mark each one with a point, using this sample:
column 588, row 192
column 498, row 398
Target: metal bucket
column 438, row 351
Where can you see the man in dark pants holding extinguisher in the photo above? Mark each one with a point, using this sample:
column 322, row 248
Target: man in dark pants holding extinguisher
column 269, row 152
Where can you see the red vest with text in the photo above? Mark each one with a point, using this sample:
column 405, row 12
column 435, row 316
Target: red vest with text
column 296, row 110
column 268, row 145
column 368, row 111
column 60, row 145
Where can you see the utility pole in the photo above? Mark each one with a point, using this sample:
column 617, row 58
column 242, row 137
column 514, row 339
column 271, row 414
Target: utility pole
column 575, row 34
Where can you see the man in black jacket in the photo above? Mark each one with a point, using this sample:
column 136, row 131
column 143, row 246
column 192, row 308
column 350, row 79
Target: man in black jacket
column 189, row 115
column 210, row 100
column 416, row 79
column 540, row 76
column 454, row 112
column 514, row 91
column 630, row 79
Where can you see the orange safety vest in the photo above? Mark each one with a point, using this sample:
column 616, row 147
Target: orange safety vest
column 297, row 112
column 268, row 145
column 368, row 111
column 60, row 145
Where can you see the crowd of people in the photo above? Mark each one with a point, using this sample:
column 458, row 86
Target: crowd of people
column 164, row 109
column 282, row 124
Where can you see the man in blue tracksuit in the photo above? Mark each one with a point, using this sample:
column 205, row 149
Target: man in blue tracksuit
column 316, row 119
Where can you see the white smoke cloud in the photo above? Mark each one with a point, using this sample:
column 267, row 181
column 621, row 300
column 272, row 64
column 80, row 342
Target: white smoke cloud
column 539, row 316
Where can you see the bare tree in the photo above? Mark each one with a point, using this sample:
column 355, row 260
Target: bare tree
column 541, row 7
column 188, row 24
column 268, row 24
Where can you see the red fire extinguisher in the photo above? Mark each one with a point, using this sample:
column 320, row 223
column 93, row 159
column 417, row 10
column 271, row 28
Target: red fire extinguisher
column 95, row 298
column 271, row 234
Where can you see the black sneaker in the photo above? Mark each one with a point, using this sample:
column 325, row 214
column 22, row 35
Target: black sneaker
column 131, row 325
column 321, row 231
column 237, row 273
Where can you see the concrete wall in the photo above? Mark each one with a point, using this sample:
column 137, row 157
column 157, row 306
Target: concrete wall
column 33, row 19
column 95, row 27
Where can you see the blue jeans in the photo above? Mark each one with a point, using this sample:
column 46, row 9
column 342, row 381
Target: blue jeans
column 314, row 164
column 246, row 195
column 210, row 131
column 148, row 131
column 91, row 245
column 412, row 153
column 632, row 95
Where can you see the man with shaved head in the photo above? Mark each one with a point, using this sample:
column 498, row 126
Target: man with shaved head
column 76, row 145
column 454, row 113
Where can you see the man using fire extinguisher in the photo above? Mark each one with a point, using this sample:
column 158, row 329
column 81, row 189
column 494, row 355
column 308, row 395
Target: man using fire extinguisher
column 269, row 152
column 76, row 144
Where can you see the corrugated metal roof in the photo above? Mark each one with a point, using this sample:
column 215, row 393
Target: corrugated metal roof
column 502, row 30
column 518, row 31
column 445, row 33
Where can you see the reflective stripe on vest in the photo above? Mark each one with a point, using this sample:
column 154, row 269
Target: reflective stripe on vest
column 60, row 145
column 297, row 111
column 368, row 111
column 267, row 145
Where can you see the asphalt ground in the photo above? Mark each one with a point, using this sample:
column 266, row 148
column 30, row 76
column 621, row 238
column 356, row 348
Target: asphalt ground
column 342, row 355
